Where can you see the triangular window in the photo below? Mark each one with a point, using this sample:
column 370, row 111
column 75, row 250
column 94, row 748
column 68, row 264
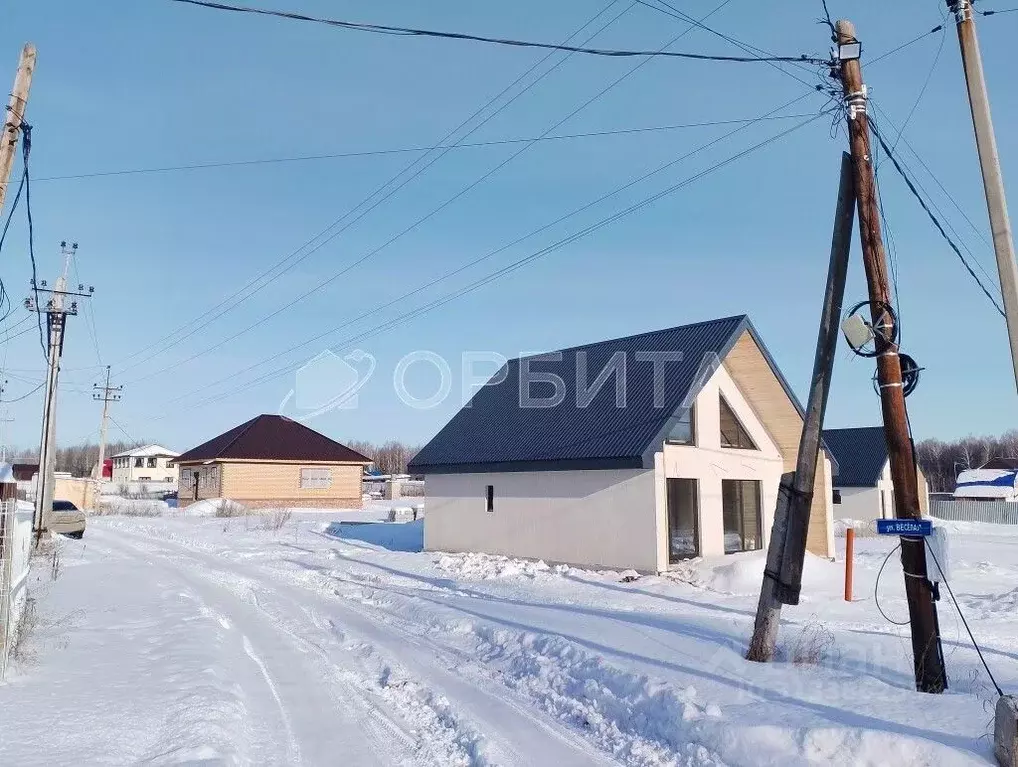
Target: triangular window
column 733, row 433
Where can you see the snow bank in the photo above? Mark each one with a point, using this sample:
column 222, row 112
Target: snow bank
column 487, row 566
column 742, row 574
column 213, row 507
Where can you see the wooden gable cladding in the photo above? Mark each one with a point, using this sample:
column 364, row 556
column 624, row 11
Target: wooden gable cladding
column 749, row 368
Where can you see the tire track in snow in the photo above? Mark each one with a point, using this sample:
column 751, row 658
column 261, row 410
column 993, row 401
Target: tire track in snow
column 292, row 747
column 516, row 732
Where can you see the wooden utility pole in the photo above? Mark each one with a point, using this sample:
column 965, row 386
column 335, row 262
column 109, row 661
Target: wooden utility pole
column 15, row 114
column 787, row 547
column 928, row 660
column 989, row 165
column 105, row 394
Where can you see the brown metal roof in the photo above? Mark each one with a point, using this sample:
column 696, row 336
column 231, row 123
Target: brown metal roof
column 272, row 438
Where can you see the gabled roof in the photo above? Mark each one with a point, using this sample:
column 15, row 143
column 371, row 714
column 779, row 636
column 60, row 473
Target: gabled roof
column 272, row 438
column 860, row 452
column 1001, row 462
column 147, row 450
column 495, row 432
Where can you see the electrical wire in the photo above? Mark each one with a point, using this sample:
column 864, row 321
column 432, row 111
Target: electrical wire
column 671, row 10
column 123, row 430
column 964, row 622
column 268, row 276
column 922, row 91
column 507, row 246
column 409, row 31
column 904, row 140
column 89, row 316
column 903, row 46
column 995, row 13
column 321, row 285
column 26, row 150
column 876, row 586
column 25, row 396
column 510, row 268
column 933, row 218
column 406, row 150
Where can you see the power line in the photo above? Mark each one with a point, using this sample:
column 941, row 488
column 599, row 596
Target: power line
column 434, row 211
column 409, row 31
column 903, row 46
column 124, row 431
column 904, row 140
column 671, row 10
column 510, row 268
column 922, row 91
column 25, row 396
column 996, row 13
column 933, row 218
column 403, row 150
column 26, row 150
column 265, row 278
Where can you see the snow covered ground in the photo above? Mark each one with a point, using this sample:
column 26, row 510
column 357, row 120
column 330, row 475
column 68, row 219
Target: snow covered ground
column 334, row 640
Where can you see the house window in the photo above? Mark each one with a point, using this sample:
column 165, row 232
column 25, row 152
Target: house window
column 733, row 433
column 489, row 498
column 837, row 496
column 740, row 509
column 316, row 479
column 683, row 517
column 139, row 463
column 151, row 462
column 144, row 479
column 168, row 479
column 683, row 432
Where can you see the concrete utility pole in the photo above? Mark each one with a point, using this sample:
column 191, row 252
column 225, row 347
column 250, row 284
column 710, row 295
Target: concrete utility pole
column 105, row 394
column 4, row 420
column 56, row 311
column 15, row 114
column 928, row 660
column 989, row 165
column 786, row 550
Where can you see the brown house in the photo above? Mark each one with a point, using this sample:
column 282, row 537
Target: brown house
column 271, row 461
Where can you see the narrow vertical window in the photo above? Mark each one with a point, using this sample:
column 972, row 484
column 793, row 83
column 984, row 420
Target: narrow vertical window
column 489, row 498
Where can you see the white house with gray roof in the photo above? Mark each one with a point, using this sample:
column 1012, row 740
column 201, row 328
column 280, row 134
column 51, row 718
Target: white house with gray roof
column 633, row 453
column 150, row 463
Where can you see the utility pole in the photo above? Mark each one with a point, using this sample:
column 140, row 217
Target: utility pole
column 786, row 549
column 4, row 420
column 989, row 165
column 105, row 394
column 930, row 675
column 15, row 116
column 56, row 310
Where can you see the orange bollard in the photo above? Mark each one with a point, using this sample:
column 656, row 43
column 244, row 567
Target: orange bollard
column 849, row 556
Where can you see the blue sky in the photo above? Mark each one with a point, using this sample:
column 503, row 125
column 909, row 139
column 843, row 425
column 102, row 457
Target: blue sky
column 138, row 84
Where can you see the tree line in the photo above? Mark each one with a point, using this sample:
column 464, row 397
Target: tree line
column 390, row 457
column 76, row 459
column 941, row 460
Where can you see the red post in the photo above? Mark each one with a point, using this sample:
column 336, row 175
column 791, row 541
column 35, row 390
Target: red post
column 849, row 556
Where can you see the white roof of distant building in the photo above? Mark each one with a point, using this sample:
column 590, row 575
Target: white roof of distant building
column 147, row 450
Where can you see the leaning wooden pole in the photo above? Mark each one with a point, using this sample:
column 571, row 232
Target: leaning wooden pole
column 14, row 117
column 787, row 547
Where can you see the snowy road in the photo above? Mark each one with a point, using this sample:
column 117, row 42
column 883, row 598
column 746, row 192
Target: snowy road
column 182, row 640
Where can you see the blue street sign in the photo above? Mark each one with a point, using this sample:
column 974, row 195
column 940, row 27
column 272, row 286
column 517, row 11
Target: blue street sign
column 905, row 526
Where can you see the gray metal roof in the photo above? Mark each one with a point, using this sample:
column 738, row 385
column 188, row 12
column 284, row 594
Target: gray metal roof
column 860, row 452
column 494, row 432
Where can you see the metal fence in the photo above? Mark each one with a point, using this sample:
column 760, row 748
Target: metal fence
column 15, row 551
column 997, row 512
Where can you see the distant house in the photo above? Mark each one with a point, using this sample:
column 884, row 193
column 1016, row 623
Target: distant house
column 151, row 463
column 995, row 480
column 862, row 487
column 271, row 461
column 632, row 453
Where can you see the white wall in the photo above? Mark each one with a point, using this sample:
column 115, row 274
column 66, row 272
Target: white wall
column 709, row 463
column 864, row 503
column 123, row 475
column 588, row 518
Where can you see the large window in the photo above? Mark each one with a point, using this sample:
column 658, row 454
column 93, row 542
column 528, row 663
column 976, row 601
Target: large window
column 684, row 430
column 316, row 479
column 733, row 434
column 740, row 508
column 683, row 514
column 139, row 463
column 151, row 463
